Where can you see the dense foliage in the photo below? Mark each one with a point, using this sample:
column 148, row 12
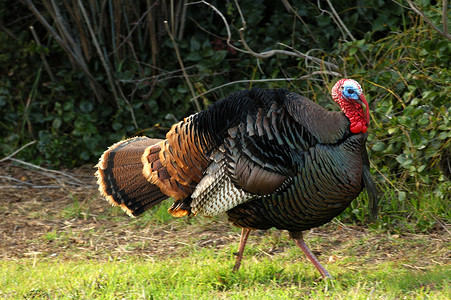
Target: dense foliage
column 119, row 75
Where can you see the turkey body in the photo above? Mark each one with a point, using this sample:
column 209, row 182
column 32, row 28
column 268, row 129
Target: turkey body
column 267, row 158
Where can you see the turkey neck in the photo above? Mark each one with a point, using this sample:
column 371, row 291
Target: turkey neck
column 328, row 127
column 354, row 112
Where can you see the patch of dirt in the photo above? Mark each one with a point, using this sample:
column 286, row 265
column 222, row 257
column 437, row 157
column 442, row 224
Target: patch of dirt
column 42, row 216
column 46, row 215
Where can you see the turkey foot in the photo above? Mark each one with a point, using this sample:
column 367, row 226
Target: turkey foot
column 299, row 240
column 239, row 255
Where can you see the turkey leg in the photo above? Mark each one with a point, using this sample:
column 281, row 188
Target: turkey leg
column 299, row 240
column 239, row 255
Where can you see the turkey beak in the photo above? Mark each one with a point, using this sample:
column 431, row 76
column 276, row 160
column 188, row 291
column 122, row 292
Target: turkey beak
column 362, row 101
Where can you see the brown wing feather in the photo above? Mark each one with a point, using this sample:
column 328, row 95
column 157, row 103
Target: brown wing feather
column 179, row 166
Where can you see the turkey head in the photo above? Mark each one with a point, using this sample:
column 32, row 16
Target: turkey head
column 348, row 94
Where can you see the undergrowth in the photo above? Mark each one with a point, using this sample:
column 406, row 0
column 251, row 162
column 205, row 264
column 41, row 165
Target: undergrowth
column 64, row 246
column 73, row 113
column 206, row 275
column 418, row 211
column 421, row 212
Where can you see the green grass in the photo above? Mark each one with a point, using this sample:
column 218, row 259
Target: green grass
column 418, row 211
column 80, row 248
column 207, row 275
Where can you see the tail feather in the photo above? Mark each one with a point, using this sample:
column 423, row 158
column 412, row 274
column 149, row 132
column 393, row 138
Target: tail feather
column 121, row 180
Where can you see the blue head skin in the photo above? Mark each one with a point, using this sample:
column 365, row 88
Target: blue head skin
column 351, row 90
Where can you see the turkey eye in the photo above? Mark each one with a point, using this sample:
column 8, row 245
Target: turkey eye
column 350, row 92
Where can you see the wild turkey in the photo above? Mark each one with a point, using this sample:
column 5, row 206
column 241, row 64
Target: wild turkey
column 267, row 158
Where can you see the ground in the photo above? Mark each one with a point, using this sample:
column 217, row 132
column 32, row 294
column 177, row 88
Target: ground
column 47, row 215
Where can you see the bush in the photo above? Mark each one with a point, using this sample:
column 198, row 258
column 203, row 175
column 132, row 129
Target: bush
column 134, row 84
column 407, row 82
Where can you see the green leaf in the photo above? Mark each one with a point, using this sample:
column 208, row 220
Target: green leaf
column 444, row 135
column 421, row 168
column 401, row 158
column 68, row 106
column 57, row 122
column 415, row 137
column 378, row 146
column 323, row 20
column 401, row 196
column 194, row 44
column 86, row 107
column 84, row 155
column 182, row 89
column 218, row 56
column 423, row 120
column 193, row 56
column 116, row 125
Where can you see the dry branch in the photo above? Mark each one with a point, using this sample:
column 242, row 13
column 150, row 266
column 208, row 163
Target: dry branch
column 17, row 151
column 339, row 21
column 62, row 178
column 22, row 183
column 179, row 58
column 74, row 57
column 265, row 54
column 443, row 32
column 269, row 80
column 44, row 60
column 327, row 68
column 103, row 59
column 59, row 176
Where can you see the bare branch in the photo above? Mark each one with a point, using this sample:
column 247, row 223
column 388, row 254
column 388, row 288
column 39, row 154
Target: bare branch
column 289, row 8
column 444, row 33
column 54, row 11
column 17, row 151
column 287, row 5
column 293, row 53
column 265, row 54
column 268, row 80
column 224, row 20
column 243, row 21
column 132, row 112
column 7, row 31
column 74, row 57
column 182, row 66
column 135, row 26
column 59, row 175
column 105, row 63
column 53, row 33
column 342, row 25
column 44, row 60
column 338, row 19
column 21, row 184
column 333, row 18
column 182, row 19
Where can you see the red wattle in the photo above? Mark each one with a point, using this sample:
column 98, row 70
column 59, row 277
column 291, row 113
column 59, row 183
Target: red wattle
column 356, row 127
